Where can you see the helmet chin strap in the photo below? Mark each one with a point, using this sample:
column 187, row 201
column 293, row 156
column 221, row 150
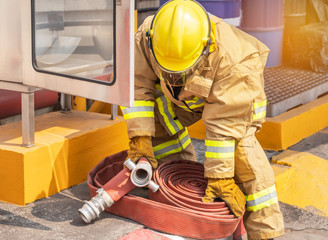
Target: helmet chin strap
column 208, row 44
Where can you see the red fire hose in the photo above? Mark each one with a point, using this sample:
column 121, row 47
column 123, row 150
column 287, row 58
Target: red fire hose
column 176, row 208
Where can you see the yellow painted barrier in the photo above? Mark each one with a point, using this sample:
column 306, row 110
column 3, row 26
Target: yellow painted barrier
column 67, row 147
column 79, row 103
column 301, row 180
column 287, row 129
column 102, row 107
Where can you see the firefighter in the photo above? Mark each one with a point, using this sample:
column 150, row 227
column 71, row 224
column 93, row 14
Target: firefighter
column 190, row 65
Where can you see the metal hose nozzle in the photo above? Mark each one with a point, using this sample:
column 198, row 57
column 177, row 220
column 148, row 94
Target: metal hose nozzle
column 91, row 209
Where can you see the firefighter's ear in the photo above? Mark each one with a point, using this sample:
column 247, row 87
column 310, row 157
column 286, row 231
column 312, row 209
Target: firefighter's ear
column 149, row 35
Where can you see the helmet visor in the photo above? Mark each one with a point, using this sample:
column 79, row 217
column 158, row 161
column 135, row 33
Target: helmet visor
column 179, row 79
column 174, row 79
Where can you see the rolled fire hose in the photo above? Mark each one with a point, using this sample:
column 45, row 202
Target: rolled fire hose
column 134, row 176
column 176, row 208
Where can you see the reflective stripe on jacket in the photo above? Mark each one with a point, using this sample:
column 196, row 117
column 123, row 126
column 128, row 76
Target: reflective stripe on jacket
column 141, row 109
column 172, row 123
column 172, row 146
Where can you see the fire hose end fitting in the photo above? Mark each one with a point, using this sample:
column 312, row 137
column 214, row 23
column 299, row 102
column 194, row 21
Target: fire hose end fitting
column 141, row 174
column 130, row 164
column 91, row 209
column 153, row 186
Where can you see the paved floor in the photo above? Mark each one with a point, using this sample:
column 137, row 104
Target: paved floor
column 57, row 217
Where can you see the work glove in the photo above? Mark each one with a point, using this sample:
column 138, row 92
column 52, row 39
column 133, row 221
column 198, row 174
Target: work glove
column 228, row 191
column 141, row 146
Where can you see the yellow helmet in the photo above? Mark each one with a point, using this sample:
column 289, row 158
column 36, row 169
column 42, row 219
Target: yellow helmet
column 179, row 35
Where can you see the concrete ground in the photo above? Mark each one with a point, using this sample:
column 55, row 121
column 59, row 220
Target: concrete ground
column 57, row 217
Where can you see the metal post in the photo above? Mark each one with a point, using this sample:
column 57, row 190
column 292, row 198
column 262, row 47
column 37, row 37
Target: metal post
column 28, row 125
column 114, row 111
column 66, row 102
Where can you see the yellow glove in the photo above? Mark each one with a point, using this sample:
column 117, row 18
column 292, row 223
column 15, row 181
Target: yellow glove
column 141, row 146
column 228, row 191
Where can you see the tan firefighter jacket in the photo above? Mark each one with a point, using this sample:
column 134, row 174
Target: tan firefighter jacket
column 227, row 92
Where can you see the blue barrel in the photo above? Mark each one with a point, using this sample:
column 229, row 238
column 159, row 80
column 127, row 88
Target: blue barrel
column 220, row 8
column 261, row 15
column 273, row 40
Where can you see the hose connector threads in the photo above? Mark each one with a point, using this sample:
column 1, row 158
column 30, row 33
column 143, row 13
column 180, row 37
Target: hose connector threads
column 91, row 209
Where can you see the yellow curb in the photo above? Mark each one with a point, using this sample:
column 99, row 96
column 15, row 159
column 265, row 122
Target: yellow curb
column 67, row 147
column 301, row 180
column 286, row 129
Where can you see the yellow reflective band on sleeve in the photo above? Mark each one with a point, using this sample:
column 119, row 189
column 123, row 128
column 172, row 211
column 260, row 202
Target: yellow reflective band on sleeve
column 219, row 149
column 172, row 146
column 196, row 102
column 158, row 87
column 259, row 110
column 139, row 110
column 185, row 108
column 158, row 91
column 165, row 109
column 141, row 103
column 262, row 199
